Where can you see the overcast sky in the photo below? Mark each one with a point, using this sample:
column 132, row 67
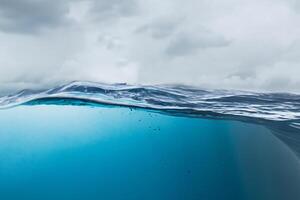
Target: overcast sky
column 231, row 44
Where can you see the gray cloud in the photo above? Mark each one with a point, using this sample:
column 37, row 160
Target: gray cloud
column 31, row 15
column 107, row 10
column 213, row 44
column 161, row 28
column 187, row 44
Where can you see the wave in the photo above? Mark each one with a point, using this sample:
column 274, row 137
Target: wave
column 280, row 112
column 172, row 98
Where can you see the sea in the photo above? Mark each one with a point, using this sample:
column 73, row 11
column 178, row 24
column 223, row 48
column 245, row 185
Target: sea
column 94, row 141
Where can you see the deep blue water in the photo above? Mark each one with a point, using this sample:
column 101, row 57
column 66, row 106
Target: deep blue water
column 73, row 147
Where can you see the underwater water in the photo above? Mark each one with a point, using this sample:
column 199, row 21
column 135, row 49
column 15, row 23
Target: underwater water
column 91, row 141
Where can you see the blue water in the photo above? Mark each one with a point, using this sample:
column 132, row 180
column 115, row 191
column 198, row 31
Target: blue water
column 62, row 147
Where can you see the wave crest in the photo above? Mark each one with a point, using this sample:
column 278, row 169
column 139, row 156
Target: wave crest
column 172, row 98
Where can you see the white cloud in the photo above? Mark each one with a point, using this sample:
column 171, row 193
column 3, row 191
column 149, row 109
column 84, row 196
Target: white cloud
column 252, row 45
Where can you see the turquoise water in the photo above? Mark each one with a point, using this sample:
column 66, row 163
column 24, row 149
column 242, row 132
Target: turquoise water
column 109, row 152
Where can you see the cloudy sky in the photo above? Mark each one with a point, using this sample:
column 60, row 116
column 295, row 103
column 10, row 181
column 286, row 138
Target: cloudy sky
column 232, row 44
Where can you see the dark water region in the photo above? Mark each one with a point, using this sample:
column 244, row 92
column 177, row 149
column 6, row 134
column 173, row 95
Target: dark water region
column 108, row 152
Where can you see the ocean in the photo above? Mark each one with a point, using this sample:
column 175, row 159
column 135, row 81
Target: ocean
column 94, row 141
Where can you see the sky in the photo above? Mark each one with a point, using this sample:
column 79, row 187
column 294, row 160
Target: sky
column 214, row 44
